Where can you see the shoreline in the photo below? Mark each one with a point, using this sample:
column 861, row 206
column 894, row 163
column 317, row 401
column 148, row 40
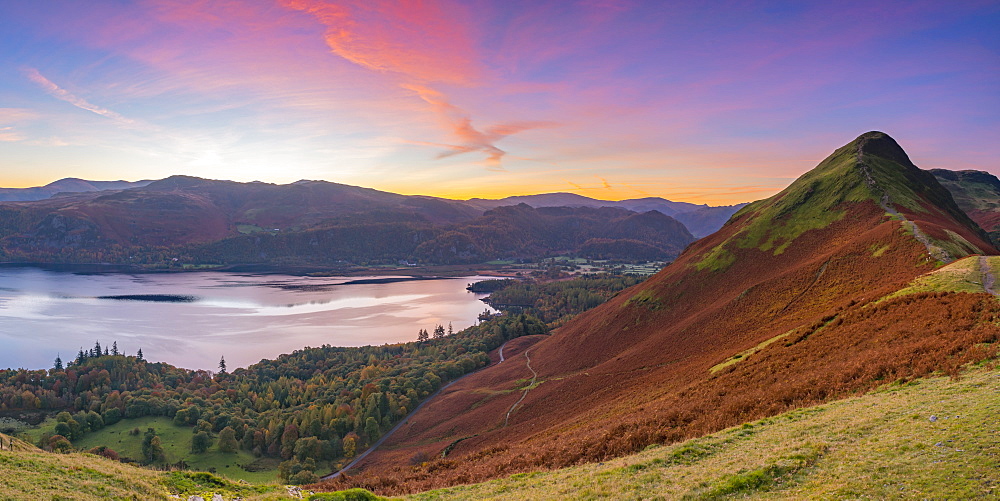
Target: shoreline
column 432, row 272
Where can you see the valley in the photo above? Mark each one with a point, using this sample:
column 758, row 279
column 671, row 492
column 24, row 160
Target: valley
column 798, row 345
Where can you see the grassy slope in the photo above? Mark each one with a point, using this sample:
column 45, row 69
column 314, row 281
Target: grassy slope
column 815, row 200
column 176, row 444
column 963, row 275
column 30, row 473
column 883, row 445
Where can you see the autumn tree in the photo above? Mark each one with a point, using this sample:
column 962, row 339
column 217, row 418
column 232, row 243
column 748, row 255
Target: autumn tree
column 350, row 446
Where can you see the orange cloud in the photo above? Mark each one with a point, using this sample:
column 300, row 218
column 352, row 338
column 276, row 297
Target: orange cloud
column 421, row 40
column 469, row 138
column 423, row 43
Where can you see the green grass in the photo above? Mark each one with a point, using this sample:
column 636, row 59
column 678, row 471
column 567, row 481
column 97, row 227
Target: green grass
column 883, row 445
column 963, row 275
column 30, row 473
column 743, row 355
column 645, row 298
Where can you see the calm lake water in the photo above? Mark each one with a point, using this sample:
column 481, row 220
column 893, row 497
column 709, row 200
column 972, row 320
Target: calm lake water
column 192, row 319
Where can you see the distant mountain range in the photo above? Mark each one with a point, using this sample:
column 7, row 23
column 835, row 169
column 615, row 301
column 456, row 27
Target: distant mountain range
column 201, row 221
column 188, row 220
column 700, row 220
column 67, row 185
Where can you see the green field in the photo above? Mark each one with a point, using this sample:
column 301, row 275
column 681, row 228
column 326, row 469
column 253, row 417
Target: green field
column 177, row 447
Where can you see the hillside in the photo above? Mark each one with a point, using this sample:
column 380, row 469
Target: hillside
column 521, row 231
column 926, row 439
column 977, row 193
column 790, row 291
column 30, row 473
column 186, row 220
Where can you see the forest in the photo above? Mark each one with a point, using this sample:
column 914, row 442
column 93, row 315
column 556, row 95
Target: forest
column 316, row 404
column 555, row 302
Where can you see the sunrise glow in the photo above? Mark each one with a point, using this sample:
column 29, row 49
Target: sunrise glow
column 611, row 99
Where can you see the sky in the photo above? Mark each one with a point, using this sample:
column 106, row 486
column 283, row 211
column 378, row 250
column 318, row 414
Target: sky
column 704, row 102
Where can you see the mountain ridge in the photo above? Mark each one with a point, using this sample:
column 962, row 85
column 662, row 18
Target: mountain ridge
column 798, row 276
column 191, row 220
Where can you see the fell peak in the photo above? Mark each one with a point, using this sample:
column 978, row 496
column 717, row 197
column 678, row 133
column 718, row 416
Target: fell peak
column 882, row 145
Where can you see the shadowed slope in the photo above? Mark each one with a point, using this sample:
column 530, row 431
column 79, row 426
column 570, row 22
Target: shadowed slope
column 804, row 265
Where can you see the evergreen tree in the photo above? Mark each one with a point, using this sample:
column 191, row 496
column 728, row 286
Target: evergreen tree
column 80, row 357
column 451, row 330
column 222, row 365
column 422, row 336
column 138, row 356
column 59, row 365
column 439, row 332
column 114, row 348
column 97, row 349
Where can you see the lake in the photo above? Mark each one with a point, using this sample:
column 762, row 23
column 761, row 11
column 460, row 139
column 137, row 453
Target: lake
column 192, row 319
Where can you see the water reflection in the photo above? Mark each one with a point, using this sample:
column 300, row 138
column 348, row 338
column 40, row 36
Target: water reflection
column 192, row 319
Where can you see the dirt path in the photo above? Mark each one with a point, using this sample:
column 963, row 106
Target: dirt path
column 534, row 377
column 988, row 279
column 405, row 420
column 935, row 251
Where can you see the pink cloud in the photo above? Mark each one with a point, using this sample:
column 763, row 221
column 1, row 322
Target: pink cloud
column 471, row 139
column 64, row 95
column 424, row 41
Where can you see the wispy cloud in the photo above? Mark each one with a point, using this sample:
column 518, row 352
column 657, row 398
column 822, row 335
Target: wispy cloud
column 60, row 93
column 470, row 139
column 9, row 117
column 418, row 43
column 9, row 135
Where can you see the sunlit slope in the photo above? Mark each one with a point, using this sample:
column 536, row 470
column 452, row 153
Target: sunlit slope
column 929, row 439
column 807, row 264
column 30, row 473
